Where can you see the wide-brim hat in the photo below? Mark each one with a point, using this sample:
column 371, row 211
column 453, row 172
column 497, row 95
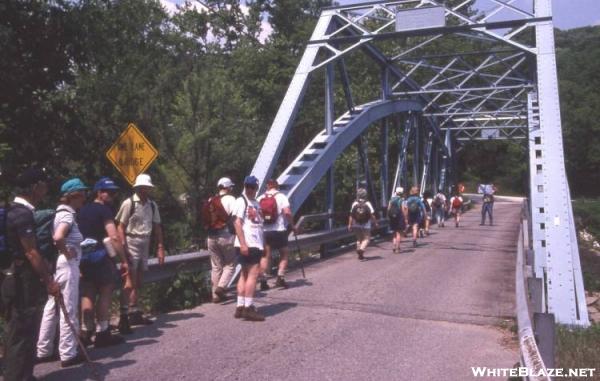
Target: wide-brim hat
column 143, row 180
column 73, row 185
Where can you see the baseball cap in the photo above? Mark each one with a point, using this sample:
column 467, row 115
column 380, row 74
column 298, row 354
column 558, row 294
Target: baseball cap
column 361, row 193
column 31, row 176
column 73, row 185
column 225, row 182
column 143, row 180
column 272, row 183
column 251, row 180
column 399, row 190
column 105, row 183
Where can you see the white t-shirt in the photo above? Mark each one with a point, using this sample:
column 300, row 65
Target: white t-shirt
column 366, row 225
column 228, row 202
column 282, row 203
column 252, row 222
column 66, row 215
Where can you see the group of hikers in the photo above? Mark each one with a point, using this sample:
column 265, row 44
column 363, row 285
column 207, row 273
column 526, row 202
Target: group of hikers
column 71, row 252
column 81, row 252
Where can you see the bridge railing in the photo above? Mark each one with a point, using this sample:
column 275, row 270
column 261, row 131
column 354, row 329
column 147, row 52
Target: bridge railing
column 531, row 357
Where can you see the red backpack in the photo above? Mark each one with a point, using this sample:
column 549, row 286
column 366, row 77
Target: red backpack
column 268, row 207
column 213, row 214
column 456, row 203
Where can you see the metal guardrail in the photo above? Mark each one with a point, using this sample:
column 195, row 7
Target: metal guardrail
column 529, row 351
column 196, row 260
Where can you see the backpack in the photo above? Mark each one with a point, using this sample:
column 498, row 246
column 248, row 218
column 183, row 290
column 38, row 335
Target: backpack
column 487, row 198
column 5, row 256
column 395, row 210
column 44, row 231
column 413, row 205
column 438, row 201
column 213, row 214
column 132, row 207
column 268, row 207
column 456, row 203
column 361, row 212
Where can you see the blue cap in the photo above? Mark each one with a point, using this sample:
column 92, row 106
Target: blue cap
column 105, row 183
column 251, row 180
column 73, row 185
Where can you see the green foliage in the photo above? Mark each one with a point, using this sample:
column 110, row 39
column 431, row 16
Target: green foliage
column 587, row 213
column 186, row 290
column 578, row 348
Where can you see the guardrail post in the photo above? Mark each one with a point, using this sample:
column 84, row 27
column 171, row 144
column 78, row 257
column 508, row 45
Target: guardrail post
column 545, row 336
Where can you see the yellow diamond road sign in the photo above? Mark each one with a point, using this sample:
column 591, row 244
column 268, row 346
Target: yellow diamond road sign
column 132, row 153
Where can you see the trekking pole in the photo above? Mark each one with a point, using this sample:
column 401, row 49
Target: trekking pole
column 91, row 365
column 299, row 254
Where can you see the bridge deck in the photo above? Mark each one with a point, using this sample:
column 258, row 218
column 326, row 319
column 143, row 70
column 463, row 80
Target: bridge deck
column 424, row 314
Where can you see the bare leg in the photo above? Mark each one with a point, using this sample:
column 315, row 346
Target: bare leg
column 283, row 261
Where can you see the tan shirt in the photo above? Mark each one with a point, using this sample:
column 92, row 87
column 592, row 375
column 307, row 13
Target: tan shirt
column 140, row 223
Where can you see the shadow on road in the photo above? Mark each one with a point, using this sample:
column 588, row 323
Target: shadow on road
column 274, row 309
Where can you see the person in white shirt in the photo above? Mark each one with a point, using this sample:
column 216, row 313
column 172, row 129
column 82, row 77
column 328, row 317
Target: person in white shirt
column 362, row 216
column 249, row 247
column 220, row 238
column 275, row 207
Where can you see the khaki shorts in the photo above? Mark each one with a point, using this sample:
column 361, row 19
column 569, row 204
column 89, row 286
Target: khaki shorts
column 139, row 249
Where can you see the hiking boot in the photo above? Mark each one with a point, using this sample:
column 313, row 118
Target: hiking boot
column 86, row 337
column 264, row 286
column 221, row 293
column 124, row 327
column 394, row 250
column 280, row 282
column 456, row 225
column 217, row 300
column 137, row 318
column 360, row 255
column 239, row 312
column 415, row 243
column 51, row 358
column 78, row 359
column 107, row 339
column 250, row 314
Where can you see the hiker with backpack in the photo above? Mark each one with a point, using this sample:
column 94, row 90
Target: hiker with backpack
column 426, row 221
column 26, row 274
column 456, row 203
column 217, row 218
column 487, row 206
column 396, row 218
column 67, row 239
column 362, row 217
column 138, row 220
column 249, row 246
column 440, row 207
column 278, row 222
column 414, row 212
column 99, row 275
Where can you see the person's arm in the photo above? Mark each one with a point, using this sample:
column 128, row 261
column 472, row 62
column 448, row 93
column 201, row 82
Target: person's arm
column 115, row 241
column 59, row 241
column 160, row 248
column 350, row 221
column 239, row 232
column 39, row 265
column 287, row 214
column 373, row 217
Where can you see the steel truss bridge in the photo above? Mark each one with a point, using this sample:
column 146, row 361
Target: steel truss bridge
column 449, row 73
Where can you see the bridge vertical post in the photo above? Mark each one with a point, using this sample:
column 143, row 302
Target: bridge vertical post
column 329, row 118
column 346, row 84
column 400, row 177
column 416, row 151
column 426, row 162
column 446, row 162
column 565, row 291
column 385, row 90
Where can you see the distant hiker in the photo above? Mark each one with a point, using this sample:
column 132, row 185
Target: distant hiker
column 362, row 217
column 427, row 200
column 67, row 239
column 440, row 207
column 29, row 273
column 99, row 275
column 487, row 206
column 249, row 246
column 138, row 219
column 278, row 222
column 217, row 218
column 414, row 209
column 397, row 219
column 456, row 203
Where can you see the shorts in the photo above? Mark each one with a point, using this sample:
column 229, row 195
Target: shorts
column 397, row 224
column 139, row 248
column 99, row 274
column 455, row 211
column 414, row 218
column 276, row 239
column 253, row 257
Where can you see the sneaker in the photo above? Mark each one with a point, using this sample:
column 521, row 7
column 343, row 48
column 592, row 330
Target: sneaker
column 250, row 314
column 124, row 327
column 239, row 312
column 442, row 224
column 106, row 339
column 221, row 293
column 415, row 243
column 78, row 359
column 86, row 337
column 264, row 286
column 456, row 225
column 394, row 250
column 360, row 255
column 137, row 318
column 281, row 282
column 51, row 358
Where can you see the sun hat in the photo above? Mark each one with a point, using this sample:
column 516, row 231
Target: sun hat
column 143, row 180
column 73, row 185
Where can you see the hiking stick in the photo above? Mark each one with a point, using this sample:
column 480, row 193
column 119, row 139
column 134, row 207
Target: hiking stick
column 299, row 255
column 61, row 303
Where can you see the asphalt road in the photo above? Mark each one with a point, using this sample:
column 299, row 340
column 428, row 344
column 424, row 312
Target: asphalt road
column 425, row 314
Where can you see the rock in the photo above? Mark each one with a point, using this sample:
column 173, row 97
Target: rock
column 595, row 317
column 589, row 300
column 592, row 310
